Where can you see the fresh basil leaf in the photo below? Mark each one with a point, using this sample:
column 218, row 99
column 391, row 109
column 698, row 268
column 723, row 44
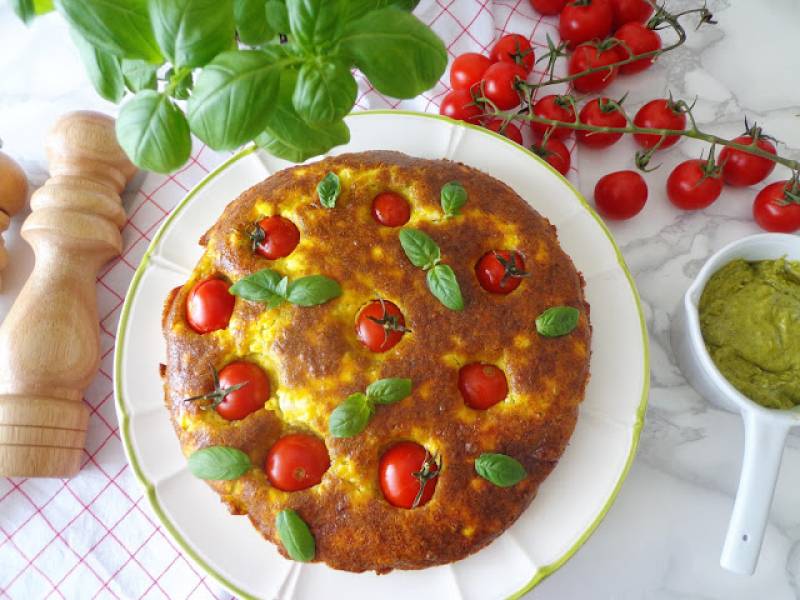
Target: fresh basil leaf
column 328, row 190
column 325, row 92
column 250, row 17
column 179, row 82
column 443, row 284
column 315, row 24
column 120, row 27
column 219, row 463
column 277, row 16
column 557, row 321
column 388, row 391
column 234, row 97
column 295, row 536
column 154, row 132
column 353, row 9
column 499, row 469
column 192, row 32
column 262, row 286
column 313, row 290
column 139, row 75
column 102, row 68
column 28, row 9
column 453, row 197
column 420, row 249
column 399, row 54
column 282, row 289
column 350, row 417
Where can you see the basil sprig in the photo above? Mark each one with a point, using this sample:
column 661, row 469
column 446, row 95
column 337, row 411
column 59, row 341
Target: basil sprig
column 295, row 536
column 557, row 321
column 269, row 287
column 423, row 252
column 453, row 197
column 500, row 469
column 351, row 417
column 328, row 190
column 219, row 463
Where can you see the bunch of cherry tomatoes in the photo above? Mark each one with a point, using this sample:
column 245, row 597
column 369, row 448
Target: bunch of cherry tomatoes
column 599, row 33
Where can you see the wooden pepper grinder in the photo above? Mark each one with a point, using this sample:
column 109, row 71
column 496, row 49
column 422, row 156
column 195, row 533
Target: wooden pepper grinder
column 13, row 192
column 50, row 341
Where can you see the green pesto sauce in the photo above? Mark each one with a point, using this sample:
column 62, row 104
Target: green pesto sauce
column 750, row 319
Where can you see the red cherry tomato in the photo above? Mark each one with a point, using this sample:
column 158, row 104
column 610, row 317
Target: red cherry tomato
column 500, row 84
column 776, row 207
column 467, row 70
column 548, row 7
column 690, row 186
column 627, row 11
column 248, row 398
column 585, row 21
column 390, row 209
column 658, row 114
column 500, row 271
column 297, row 461
column 209, row 305
column 510, row 130
column 380, row 325
column 405, row 469
column 275, row 237
column 591, row 56
column 460, row 106
column 620, row 195
column 638, row 39
column 481, row 385
column 555, row 153
column 515, row 49
column 740, row 168
column 557, row 108
column 601, row 113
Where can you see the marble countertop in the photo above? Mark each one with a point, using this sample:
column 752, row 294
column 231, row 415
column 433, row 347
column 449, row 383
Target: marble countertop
column 663, row 535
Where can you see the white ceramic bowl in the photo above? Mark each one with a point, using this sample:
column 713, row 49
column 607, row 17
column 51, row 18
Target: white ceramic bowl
column 765, row 428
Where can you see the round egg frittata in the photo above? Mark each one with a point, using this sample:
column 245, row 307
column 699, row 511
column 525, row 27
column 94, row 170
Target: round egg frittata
column 378, row 359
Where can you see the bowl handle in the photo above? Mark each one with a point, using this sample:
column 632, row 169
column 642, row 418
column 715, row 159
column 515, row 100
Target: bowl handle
column 763, row 448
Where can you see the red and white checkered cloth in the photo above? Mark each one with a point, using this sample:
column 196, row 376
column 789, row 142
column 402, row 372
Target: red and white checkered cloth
column 94, row 536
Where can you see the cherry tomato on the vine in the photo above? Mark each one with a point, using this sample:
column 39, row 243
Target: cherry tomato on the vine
column 500, row 271
column 408, row 474
column 459, row 105
column 500, row 84
column 556, row 108
column 297, row 461
column 275, row 237
column 510, row 130
column 601, row 112
column 693, row 184
column 636, row 39
column 585, row 20
column 380, row 325
column 548, row 7
column 740, row 168
column 209, row 305
column 620, row 195
column 481, row 385
column 248, row 398
column 390, row 209
column 591, row 55
column 555, row 153
column 467, row 70
column 627, row 11
column 777, row 207
column 514, row 48
column 658, row 114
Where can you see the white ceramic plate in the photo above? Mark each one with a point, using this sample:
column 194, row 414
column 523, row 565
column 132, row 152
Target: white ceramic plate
column 570, row 503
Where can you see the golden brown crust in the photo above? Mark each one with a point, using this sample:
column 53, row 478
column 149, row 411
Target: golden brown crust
column 314, row 359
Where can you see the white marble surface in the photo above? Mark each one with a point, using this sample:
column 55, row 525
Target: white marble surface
column 662, row 538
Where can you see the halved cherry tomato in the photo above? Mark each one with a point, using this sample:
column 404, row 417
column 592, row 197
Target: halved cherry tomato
column 636, row 39
column 658, row 114
column 555, row 153
column 556, row 108
column 500, row 84
column 628, row 11
column 467, row 70
column 380, row 325
column 275, row 237
column 620, row 195
column 209, row 305
column 691, row 186
column 481, row 385
column 777, row 207
column 601, row 112
column 740, row 168
column 510, row 130
column 591, row 55
column 460, row 106
column 585, row 20
column 252, row 394
column 297, row 461
column 548, row 7
column 500, row 271
column 408, row 475
column 390, row 209
column 515, row 49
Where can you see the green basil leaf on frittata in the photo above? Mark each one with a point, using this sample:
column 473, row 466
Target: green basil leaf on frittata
column 325, row 92
column 102, row 68
column 315, row 25
column 499, row 469
column 328, row 190
column 443, row 284
column 139, row 74
column 388, row 391
column 350, row 417
column 453, row 197
column 192, row 32
column 262, row 286
column 250, row 17
column 295, row 535
column 557, row 321
column 219, row 463
column 312, row 290
column 420, row 249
